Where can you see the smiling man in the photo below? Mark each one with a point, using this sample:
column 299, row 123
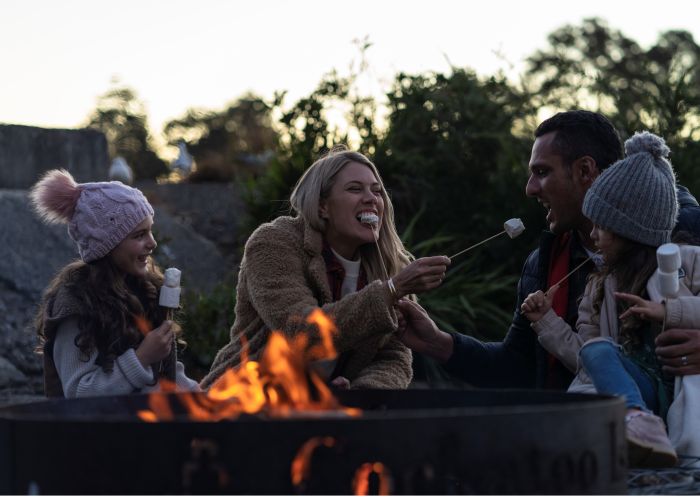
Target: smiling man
column 570, row 150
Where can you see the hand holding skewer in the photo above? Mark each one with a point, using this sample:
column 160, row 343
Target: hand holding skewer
column 420, row 275
column 170, row 299
column 537, row 304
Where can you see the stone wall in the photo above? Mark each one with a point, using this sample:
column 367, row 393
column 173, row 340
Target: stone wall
column 26, row 152
column 197, row 227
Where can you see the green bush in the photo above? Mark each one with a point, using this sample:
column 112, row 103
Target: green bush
column 206, row 321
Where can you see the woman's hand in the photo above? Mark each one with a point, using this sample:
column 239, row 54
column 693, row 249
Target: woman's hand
column 156, row 345
column 537, row 304
column 645, row 309
column 420, row 275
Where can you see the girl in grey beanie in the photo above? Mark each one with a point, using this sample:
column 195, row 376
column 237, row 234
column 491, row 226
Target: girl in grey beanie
column 634, row 208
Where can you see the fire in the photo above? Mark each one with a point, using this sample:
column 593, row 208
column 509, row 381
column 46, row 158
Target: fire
column 360, row 483
column 142, row 324
column 279, row 384
column 302, row 461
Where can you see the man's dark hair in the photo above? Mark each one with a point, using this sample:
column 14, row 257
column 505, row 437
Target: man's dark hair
column 580, row 133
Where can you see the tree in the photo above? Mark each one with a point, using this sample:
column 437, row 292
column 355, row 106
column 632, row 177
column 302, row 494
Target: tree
column 121, row 116
column 451, row 149
column 657, row 89
column 231, row 144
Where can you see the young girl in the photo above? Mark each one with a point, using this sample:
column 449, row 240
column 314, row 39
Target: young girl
column 633, row 207
column 94, row 323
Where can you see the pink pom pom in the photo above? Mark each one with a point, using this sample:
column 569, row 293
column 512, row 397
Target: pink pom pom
column 55, row 196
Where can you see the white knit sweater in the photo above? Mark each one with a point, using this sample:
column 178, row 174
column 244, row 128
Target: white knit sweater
column 81, row 378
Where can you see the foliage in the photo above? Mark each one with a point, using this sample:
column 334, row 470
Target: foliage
column 229, row 144
column 657, row 89
column 471, row 300
column 306, row 133
column 451, row 149
column 206, row 321
column 121, row 116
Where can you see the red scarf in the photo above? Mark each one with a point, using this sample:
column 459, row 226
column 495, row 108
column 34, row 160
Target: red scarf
column 558, row 268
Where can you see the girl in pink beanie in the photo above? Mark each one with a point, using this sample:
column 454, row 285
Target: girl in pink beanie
column 94, row 322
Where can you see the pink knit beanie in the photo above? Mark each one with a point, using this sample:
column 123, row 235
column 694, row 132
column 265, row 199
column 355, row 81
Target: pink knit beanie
column 99, row 215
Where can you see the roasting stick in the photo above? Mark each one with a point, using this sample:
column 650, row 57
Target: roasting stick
column 568, row 274
column 668, row 259
column 513, row 227
column 170, row 299
column 372, row 221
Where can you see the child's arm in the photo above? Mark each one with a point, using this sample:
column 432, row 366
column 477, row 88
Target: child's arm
column 680, row 312
column 81, row 377
column 645, row 309
column 560, row 340
column 536, row 305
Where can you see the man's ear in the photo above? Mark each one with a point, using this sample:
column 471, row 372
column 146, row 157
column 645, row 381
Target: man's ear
column 586, row 169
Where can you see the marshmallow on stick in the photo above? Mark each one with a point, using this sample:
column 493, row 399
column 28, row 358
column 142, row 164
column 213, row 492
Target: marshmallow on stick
column 372, row 220
column 369, row 218
column 668, row 257
column 514, row 227
column 170, row 291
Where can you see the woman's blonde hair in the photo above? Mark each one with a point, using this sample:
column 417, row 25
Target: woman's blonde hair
column 315, row 185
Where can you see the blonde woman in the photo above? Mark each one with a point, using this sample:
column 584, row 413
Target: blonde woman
column 325, row 256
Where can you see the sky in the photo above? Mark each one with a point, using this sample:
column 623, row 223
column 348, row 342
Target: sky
column 58, row 56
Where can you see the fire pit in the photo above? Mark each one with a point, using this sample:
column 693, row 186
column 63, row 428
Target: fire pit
column 404, row 442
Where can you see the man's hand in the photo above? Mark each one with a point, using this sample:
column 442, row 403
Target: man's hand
column 679, row 351
column 645, row 309
column 420, row 333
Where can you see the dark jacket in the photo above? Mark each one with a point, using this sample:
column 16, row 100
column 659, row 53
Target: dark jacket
column 519, row 361
column 689, row 214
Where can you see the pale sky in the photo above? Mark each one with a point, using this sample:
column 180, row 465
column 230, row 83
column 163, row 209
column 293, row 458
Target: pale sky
column 58, row 56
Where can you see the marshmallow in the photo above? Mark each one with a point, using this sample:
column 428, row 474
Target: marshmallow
column 514, row 227
column 171, row 277
column 170, row 291
column 369, row 218
column 668, row 256
column 668, row 283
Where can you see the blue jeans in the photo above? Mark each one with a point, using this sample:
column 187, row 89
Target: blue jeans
column 613, row 373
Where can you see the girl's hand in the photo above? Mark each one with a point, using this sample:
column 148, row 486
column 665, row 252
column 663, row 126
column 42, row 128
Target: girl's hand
column 156, row 345
column 645, row 309
column 537, row 304
column 420, row 275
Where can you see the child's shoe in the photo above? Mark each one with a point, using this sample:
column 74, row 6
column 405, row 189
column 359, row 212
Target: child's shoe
column 648, row 445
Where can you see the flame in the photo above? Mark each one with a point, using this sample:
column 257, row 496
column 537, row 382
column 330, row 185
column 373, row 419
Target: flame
column 360, row 483
column 301, row 464
column 279, row 384
column 142, row 324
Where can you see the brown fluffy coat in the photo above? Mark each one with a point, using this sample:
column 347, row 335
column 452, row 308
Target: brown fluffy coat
column 282, row 279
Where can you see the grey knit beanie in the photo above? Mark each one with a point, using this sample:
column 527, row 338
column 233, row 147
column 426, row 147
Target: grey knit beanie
column 636, row 197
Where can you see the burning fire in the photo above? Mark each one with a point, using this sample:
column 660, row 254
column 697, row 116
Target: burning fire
column 301, row 465
column 279, row 384
column 360, row 483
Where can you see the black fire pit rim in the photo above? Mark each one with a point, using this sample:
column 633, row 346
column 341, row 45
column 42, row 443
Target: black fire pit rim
column 54, row 408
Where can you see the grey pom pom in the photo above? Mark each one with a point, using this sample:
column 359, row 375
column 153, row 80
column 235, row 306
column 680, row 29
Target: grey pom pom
column 649, row 143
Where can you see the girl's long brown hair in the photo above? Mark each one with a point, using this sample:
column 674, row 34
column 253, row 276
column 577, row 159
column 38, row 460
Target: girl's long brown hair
column 110, row 304
column 632, row 268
